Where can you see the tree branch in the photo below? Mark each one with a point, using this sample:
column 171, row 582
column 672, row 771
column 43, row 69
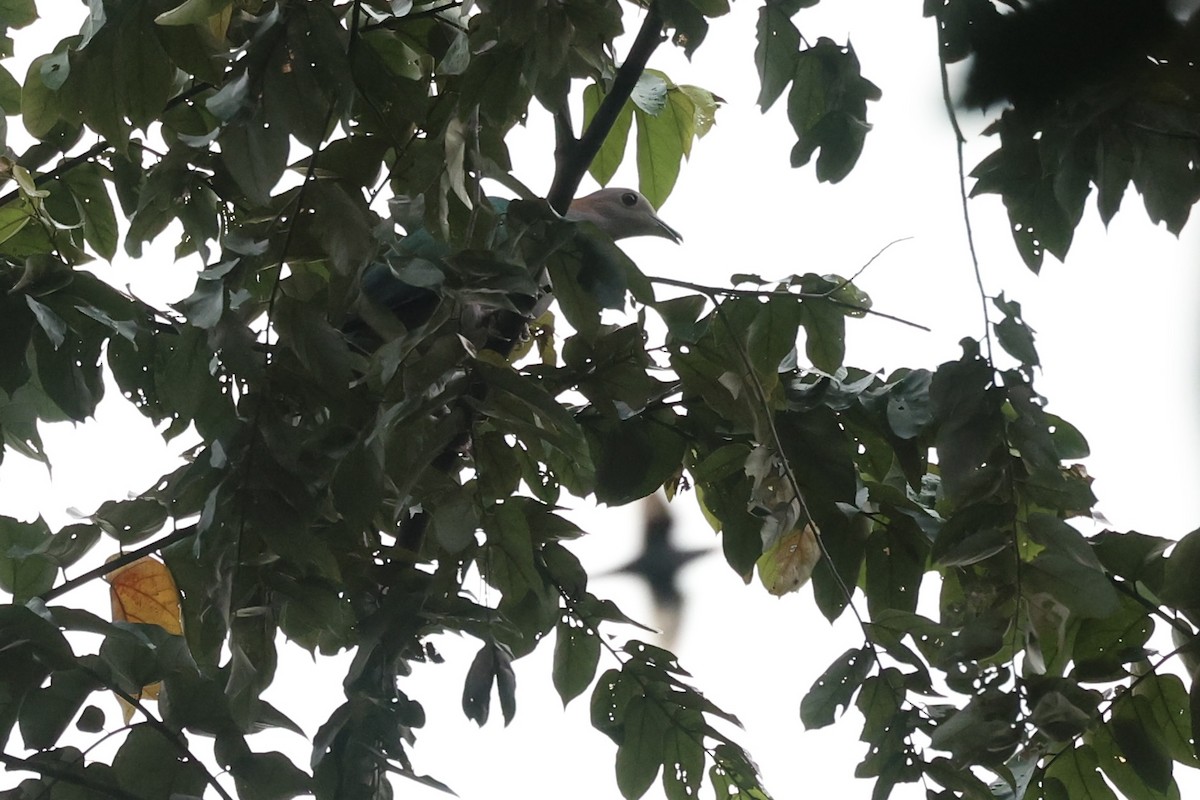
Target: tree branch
column 118, row 562
column 99, row 147
column 578, row 154
column 65, row 774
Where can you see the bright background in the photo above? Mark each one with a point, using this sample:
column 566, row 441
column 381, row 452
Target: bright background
column 1116, row 335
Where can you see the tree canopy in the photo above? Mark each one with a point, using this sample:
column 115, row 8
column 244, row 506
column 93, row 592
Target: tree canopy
column 349, row 476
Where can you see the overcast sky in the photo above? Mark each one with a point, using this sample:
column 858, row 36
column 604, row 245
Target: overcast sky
column 1116, row 334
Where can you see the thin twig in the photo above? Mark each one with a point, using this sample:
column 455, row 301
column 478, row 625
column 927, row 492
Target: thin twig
column 712, row 291
column 395, row 22
column 847, row 281
column 959, row 141
column 175, row 738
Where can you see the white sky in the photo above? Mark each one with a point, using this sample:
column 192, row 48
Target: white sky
column 1116, row 334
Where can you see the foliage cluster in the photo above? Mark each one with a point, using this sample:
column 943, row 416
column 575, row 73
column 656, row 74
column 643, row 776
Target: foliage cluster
column 340, row 493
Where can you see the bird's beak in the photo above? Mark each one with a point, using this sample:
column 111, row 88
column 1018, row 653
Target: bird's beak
column 666, row 231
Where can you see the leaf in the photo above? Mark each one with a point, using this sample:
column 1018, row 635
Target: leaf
column 493, row 663
column 256, row 156
column 640, row 752
column 775, row 55
column 148, row 766
column 144, row 592
column 787, row 565
column 1180, row 587
column 835, row 688
column 1075, row 775
column 1167, row 702
column 193, row 12
column 24, row 572
column 1014, row 335
column 1133, row 729
column 47, row 712
column 576, row 654
column 269, row 776
column 86, row 183
column 12, row 219
column 825, row 333
column 612, row 150
column 1120, row 773
column 130, row 521
column 17, row 13
column 649, row 94
column 146, row 72
column 40, row 105
column 659, row 153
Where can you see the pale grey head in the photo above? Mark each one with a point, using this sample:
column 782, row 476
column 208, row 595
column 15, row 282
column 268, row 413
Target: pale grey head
column 621, row 213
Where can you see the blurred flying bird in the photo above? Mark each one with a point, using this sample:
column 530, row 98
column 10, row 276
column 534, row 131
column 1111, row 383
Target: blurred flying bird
column 660, row 563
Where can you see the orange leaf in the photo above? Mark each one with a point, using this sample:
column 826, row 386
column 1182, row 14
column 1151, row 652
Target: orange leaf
column 145, row 592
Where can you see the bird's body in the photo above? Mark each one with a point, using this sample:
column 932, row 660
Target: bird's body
column 403, row 287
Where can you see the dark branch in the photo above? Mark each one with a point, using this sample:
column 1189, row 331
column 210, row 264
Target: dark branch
column 50, row 769
column 99, row 147
column 577, row 157
column 395, row 22
column 114, row 565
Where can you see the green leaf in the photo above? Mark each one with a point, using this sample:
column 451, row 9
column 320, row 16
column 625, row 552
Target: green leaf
column 576, row 654
column 835, row 688
column 641, row 750
column 1168, row 703
column 825, row 333
column 24, row 572
column 493, row 663
column 130, row 521
column 146, row 72
column 256, row 156
column 775, row 55
column 40, row 105
column 634, row 458
column 1014, row 335
column 148, row 766
column 1118, row 770
column 1180, row 588
column 1075, row 775
column 659, row 152
column 1134, row 730
column 47, row 712
column 1069, row 570
column 17, row 13
column 612, row 150
column 87, row 184
column 683, row 758
column 270, row 776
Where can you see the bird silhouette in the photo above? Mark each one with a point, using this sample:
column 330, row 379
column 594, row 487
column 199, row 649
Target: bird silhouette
column 660, row 563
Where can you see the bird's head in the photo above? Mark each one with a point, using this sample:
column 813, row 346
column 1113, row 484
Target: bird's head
column 621, row 213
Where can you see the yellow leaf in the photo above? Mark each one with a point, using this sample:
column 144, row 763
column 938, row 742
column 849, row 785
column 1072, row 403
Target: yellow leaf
column 145, row 592
column 789, row 563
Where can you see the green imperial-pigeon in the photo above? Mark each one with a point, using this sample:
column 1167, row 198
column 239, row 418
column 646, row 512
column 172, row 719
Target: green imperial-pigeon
column 406, row 295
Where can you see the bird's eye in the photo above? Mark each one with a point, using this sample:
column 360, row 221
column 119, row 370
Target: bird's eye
column 629, row 199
